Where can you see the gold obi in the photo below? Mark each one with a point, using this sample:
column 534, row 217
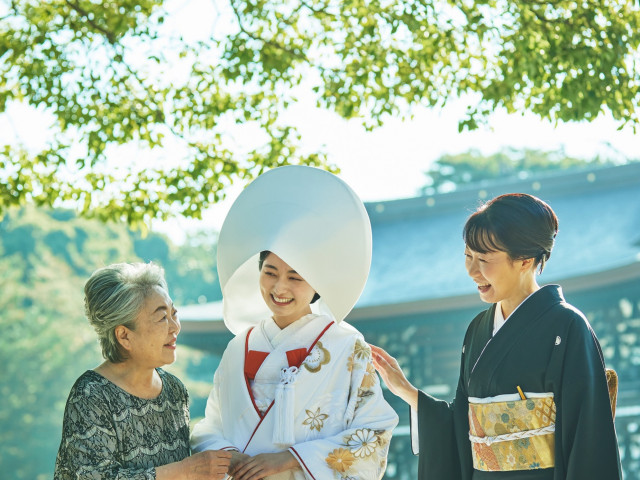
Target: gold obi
column 512, row 434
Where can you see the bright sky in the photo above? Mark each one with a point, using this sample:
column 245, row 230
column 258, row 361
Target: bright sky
column 389, row 162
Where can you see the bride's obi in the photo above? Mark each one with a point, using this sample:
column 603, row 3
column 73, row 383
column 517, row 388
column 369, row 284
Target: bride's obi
column 509, row 433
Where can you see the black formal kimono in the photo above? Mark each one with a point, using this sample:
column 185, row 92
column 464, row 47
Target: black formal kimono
column 546, row 345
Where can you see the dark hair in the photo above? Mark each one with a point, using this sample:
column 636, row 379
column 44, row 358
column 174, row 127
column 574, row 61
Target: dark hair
column 519, row 224
column 263, row 256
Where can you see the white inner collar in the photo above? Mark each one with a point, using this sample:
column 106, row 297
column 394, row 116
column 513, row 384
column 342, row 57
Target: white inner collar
column 498, row 318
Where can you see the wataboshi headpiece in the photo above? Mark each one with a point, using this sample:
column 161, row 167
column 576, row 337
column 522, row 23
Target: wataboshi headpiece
column 314, row 222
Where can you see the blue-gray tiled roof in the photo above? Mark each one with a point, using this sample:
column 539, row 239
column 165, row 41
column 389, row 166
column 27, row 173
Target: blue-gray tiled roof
column 418, row 248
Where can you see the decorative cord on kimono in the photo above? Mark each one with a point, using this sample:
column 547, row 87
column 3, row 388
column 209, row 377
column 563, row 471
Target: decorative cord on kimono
column 284, row 402
column 513, row 436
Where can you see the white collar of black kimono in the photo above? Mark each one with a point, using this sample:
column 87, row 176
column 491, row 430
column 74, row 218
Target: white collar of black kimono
column 314, row 222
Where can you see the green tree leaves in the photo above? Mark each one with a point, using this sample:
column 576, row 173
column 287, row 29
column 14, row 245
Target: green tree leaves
column 121, row 74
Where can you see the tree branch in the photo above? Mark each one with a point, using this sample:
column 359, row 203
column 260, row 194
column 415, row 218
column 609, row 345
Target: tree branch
column 110, row 35
column 265, row 41
column 323, row 10
column 12, row 8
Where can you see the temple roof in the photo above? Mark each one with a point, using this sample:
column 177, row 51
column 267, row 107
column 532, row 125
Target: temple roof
column 418, row 247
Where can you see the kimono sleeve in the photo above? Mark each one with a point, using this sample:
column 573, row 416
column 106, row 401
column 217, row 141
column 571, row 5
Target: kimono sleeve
column 360, row 451
column 585, row 423
column 208, row 433
column 443, row 430
column 88, row 449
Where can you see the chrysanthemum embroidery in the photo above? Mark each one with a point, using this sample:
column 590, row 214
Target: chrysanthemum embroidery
column 315, row 420
column 363, row 442
column 340, row 460
column 317, row 357
column 362, row 350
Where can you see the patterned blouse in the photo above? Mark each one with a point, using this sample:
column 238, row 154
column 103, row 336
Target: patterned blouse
column 108, row 433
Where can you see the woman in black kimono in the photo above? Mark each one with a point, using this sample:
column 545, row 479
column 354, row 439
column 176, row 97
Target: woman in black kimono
column 532, row 400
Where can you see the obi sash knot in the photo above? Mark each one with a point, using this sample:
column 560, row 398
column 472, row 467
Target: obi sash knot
column 514, row 434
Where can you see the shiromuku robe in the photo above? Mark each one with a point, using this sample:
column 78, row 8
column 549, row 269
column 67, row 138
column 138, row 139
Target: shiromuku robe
column 546, row 345
column 337, row 419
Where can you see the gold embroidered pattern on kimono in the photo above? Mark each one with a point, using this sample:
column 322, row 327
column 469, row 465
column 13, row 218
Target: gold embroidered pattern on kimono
column 363, row 442
column 317, row 357
column 341, row 429
column 315, row 420
column 363, row 396
column 513, row 435
column 362, row 351
column 370, row 377
column 340, row 460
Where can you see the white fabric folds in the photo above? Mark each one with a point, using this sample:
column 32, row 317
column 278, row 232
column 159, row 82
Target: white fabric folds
column 314, row 222
column 283, row 434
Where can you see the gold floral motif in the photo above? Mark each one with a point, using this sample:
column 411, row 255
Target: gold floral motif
column 384, row 437
column 340, row 460
column 363, row 442
column 370, row 377
column 363, row 396
column 315, row 420
column 318, row 357
column 350, row 363
column 361, row 350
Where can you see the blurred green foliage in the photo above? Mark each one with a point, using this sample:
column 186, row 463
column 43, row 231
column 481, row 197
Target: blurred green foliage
column 451, row 171
column 113, row 73
column 46, row 343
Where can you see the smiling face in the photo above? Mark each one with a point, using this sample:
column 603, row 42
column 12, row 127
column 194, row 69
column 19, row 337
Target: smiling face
column 500, row 278
column 153, row 341
column 284, row 291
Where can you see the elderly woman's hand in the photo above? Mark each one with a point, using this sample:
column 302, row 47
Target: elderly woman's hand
column 265, row 464
column 237, row 459
column 393, row 377
column 207, row 465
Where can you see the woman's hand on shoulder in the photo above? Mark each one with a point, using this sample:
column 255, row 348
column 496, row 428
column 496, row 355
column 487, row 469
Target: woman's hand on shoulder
column 265, row 464
column 393, row 376
column 207, row 465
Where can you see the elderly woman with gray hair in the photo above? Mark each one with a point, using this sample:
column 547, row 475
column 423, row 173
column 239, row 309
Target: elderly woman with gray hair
column 128, row 418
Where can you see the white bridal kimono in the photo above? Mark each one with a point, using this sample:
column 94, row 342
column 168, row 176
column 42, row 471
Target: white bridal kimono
column 329, row 411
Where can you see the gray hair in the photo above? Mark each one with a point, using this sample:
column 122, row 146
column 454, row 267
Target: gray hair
column 114, row 295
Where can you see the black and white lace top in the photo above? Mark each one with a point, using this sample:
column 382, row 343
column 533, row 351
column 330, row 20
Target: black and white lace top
column 108, row 433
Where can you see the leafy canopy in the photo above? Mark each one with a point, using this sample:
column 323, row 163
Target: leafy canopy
column 120, row 75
